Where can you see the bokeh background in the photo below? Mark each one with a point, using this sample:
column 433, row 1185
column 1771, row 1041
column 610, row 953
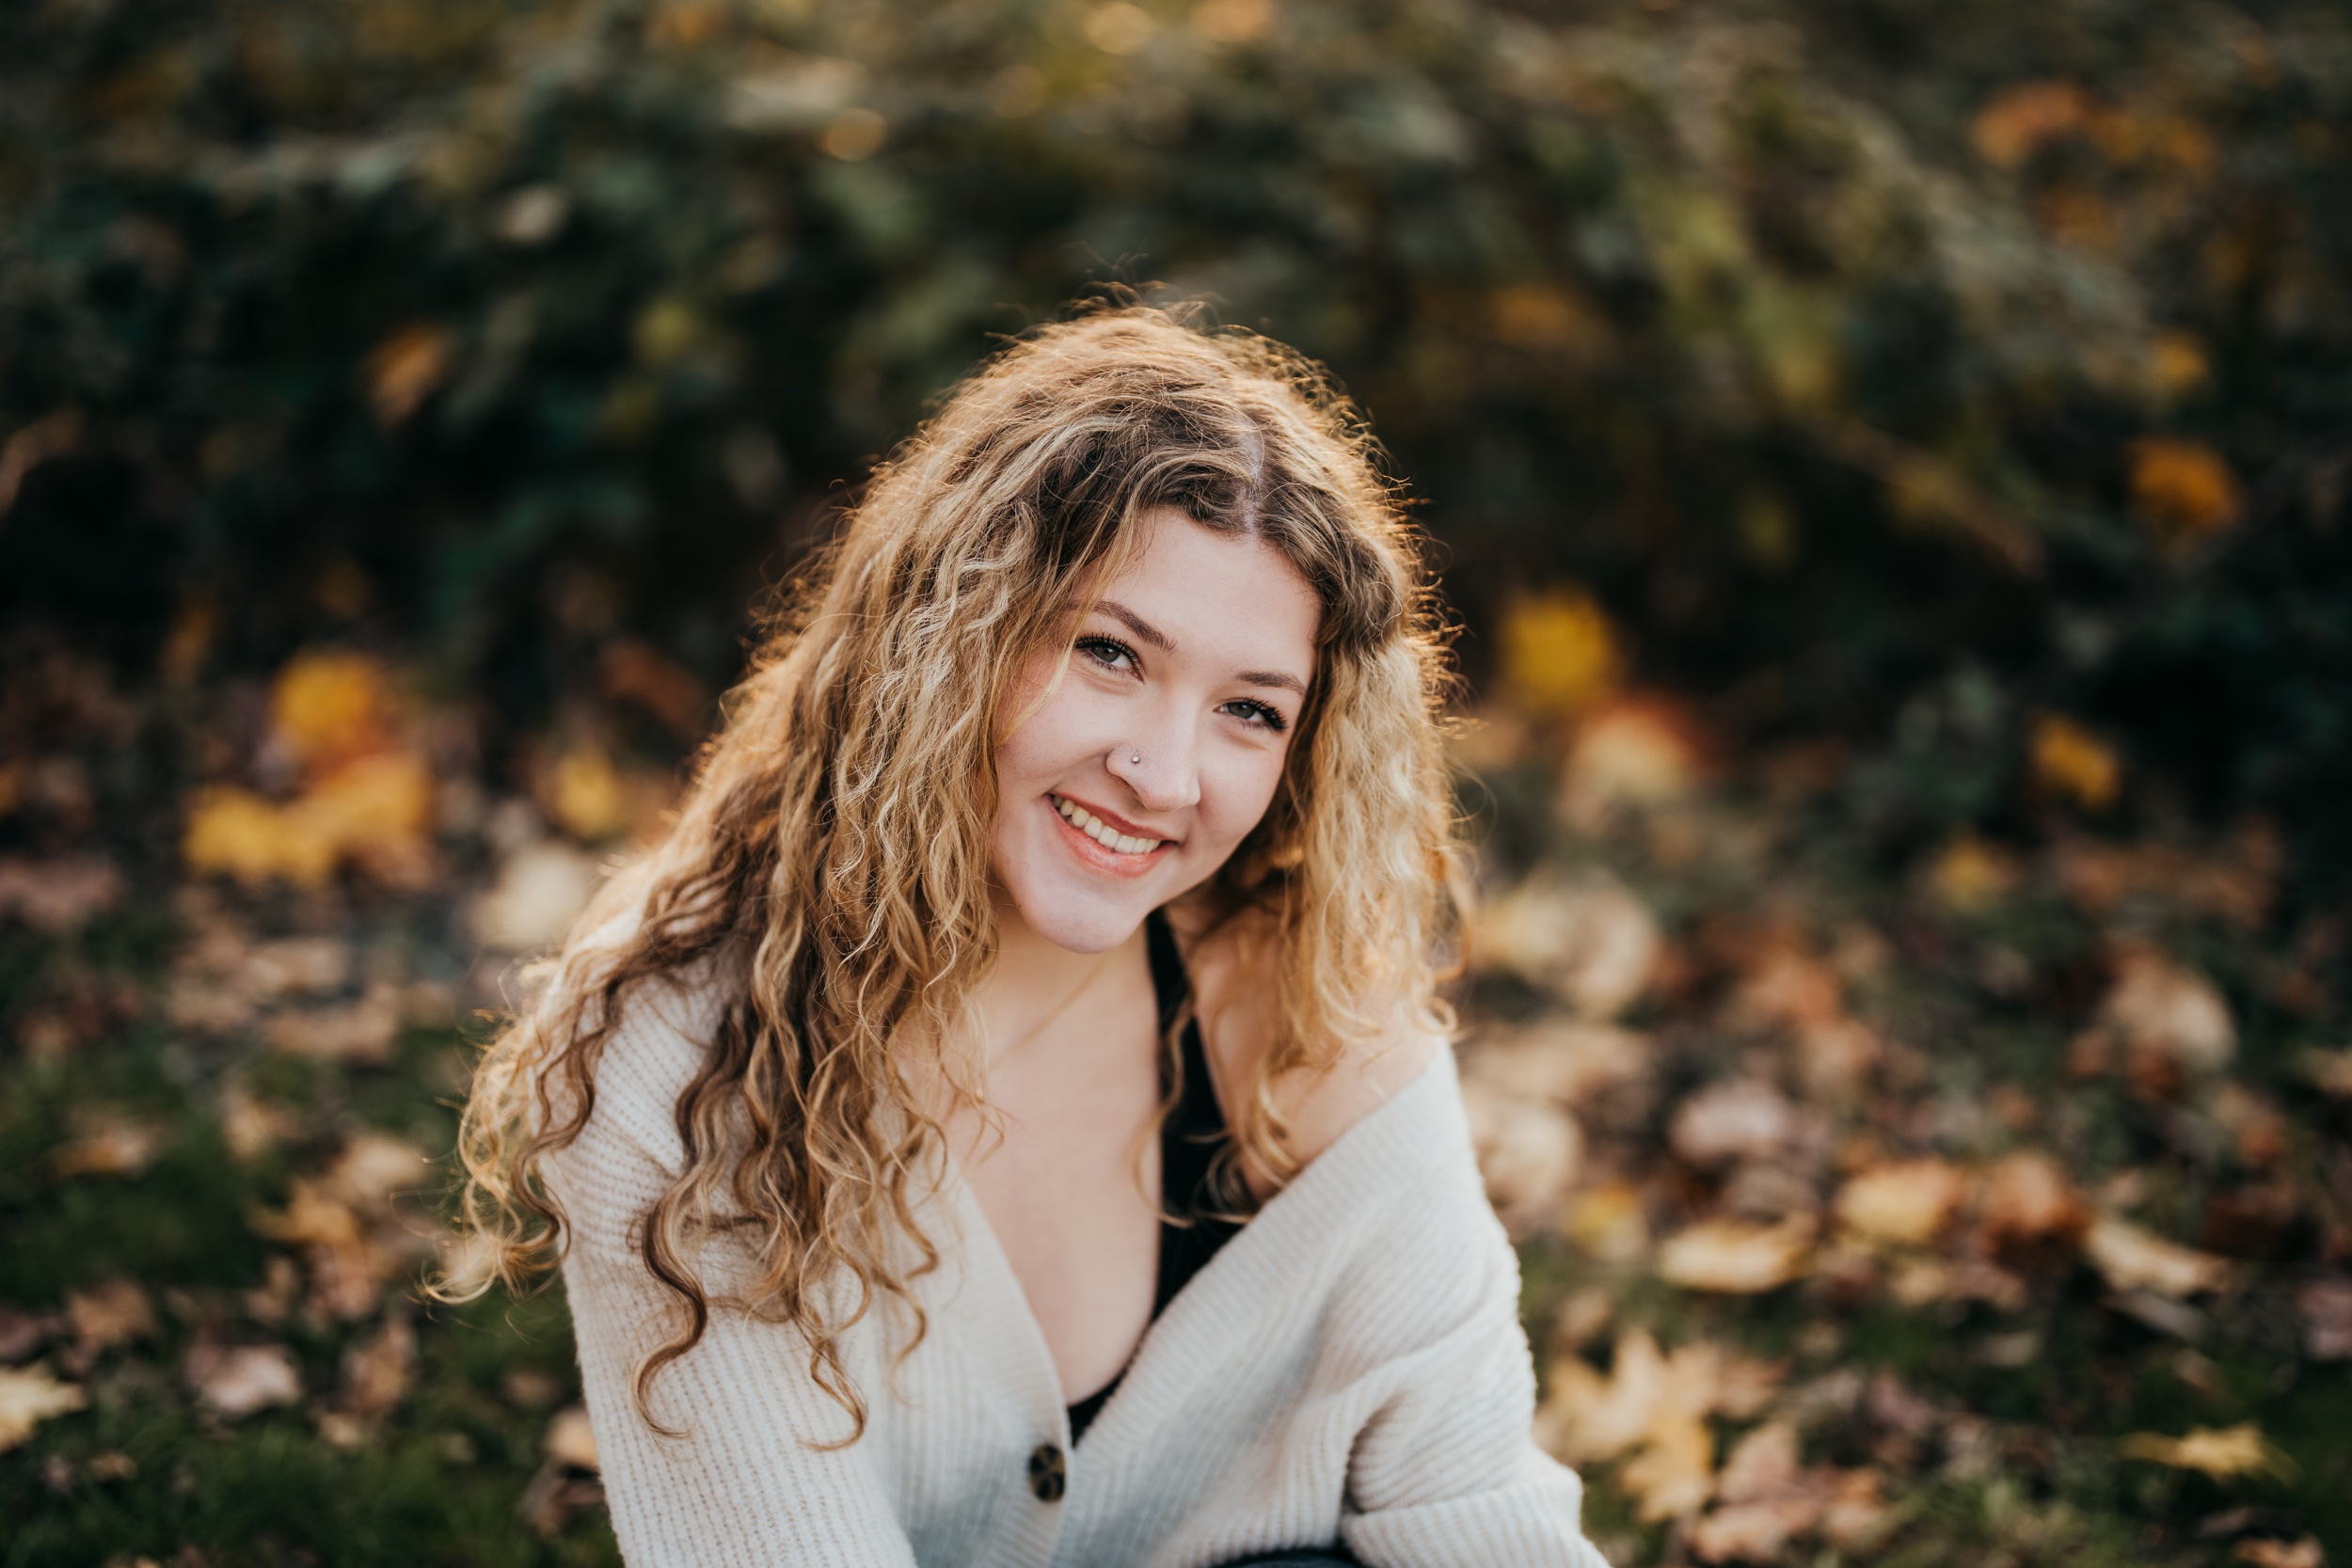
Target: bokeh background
column 1889, row 464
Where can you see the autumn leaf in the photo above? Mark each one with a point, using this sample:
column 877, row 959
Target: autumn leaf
column 2029, row 1197
column 583, row 794
column 403, row 369
column 2220, row 1453
column 235, row 1382
column 539, row 892
column 2182, row 490
column 1737, row 1258
column 2020, row 120
column 1903, row 1205
column 1632, row 751
column 1559, row 653
column 112, row 1313
column 2070, row 764
column 1594, row 943
column 2134, row 1259
column 570, row 1440
column 328, row 706
column 29, row 1396
column 1528, row 1154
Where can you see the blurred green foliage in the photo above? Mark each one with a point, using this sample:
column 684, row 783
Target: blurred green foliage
column 1897, row 374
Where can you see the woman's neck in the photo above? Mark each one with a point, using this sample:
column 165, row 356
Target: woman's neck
column 1035, row 984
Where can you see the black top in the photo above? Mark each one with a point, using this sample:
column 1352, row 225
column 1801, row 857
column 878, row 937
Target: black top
column 1194, row 1220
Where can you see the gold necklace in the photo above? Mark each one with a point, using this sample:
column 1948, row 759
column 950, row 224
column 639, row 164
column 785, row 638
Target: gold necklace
column 1028, row 1035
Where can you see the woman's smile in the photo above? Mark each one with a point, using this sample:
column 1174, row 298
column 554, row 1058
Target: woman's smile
column 1107, row 828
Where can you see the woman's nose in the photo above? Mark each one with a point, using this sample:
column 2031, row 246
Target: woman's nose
column 1158, row 764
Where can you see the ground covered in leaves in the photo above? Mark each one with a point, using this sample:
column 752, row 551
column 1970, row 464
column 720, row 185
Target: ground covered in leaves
column 1993, row 1205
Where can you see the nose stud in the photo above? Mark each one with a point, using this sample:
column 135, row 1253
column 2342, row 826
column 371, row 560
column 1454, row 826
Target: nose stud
column 1135, row 757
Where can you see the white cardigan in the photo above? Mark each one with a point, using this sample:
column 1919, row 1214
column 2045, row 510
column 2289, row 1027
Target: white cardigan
column 1349, row 1367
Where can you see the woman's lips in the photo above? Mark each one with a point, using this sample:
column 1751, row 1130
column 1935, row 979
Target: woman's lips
column 1098, row 856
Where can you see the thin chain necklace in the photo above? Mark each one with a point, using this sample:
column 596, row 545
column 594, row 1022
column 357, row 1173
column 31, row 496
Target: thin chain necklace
column 1028, row 1037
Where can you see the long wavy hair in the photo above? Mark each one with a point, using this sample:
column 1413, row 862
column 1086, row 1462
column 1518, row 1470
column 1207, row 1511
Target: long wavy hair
column 829, row 868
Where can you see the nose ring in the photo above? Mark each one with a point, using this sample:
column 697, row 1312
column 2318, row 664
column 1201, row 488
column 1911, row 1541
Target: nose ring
column 1135, row 757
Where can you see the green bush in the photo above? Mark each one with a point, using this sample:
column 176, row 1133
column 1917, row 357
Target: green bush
column 1895, row 373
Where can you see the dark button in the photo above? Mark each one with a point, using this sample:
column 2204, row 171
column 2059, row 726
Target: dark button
column 1047, row 1473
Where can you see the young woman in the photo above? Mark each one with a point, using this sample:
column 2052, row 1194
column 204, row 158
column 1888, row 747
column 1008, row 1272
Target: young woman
column 1009, row 1123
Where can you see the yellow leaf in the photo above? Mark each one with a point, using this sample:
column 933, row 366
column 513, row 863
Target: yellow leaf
column 1607, row 1223
column 2134, row 1260
column 2019, row 121
column 1559, row 654
column 585, row 794
column 1971, row 876
column 2218, row 1452
column 1903, row 1205
column 570, row 1440
column 1674, row 1475
column 2182, row 490
column 328, row 706
column 1737, row 1258
column 1232, row 21
column 403, row 369
column 29, row 1396
column 235, row 832
column 2177, row 364
column 2072, row 763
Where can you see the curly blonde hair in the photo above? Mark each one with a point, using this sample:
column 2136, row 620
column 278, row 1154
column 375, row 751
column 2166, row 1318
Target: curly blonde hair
column 831, row 861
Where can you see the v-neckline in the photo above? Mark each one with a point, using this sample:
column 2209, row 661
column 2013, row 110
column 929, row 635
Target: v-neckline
column 1303, row 1197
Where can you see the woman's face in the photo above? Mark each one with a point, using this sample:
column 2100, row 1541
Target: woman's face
column 1136, row 769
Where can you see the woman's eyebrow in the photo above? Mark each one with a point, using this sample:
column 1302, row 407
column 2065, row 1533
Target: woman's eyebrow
column 1161, row 640
column 1137, row 624
column 1272, row 677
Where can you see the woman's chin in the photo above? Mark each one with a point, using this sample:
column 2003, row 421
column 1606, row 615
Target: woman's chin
column 1081, row 912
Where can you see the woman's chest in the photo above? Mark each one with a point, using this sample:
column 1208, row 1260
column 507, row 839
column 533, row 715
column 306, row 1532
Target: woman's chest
column 1068, row 1180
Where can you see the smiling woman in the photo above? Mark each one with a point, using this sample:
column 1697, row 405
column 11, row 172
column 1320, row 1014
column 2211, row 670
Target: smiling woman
column 1009, row 1119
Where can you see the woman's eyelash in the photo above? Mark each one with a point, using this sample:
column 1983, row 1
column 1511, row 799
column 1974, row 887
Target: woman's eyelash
column 1261, row 714
column 1107, row 651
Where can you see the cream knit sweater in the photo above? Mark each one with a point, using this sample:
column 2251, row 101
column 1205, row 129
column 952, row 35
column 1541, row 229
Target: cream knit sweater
column 1350, row 1368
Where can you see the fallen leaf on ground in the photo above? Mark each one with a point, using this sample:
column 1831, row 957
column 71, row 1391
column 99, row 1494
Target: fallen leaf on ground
column 359, row 1032
column 375, row 1169
column 109, row 1314
column 1735, row 1118
column 1736, row 1258
column 2029, row 1197
column 291, row 965
column 1674, row 1473
column 540, row 891
column 2218, row 1452
column 1566, row 1063
column 2134, row 1260
column 57, row 896
column 570, row 1439
column 2324, row 1306
column 375, row 1370
column 328, row 706
column 2268, row 1553
column 2165, row 1013
column 1528, row 1154
column 234, row 1383
column 1595, row 943
column 1634, row 751
column 29, row 1396
column 2330, row 1072
column 110, row 1144
column 1607, row 1222
column 1905, row 1204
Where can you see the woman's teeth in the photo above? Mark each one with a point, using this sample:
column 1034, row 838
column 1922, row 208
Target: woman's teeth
column 1109, row 838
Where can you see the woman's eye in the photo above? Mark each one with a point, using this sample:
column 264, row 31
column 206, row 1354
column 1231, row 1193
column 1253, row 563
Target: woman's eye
column 1255, row 713
column 1109, row 653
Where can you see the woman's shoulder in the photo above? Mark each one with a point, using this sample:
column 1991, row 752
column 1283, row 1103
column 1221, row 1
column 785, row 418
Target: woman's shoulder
column 1236, row 984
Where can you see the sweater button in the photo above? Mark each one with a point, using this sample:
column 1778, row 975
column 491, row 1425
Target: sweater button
column 1047, row 1473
